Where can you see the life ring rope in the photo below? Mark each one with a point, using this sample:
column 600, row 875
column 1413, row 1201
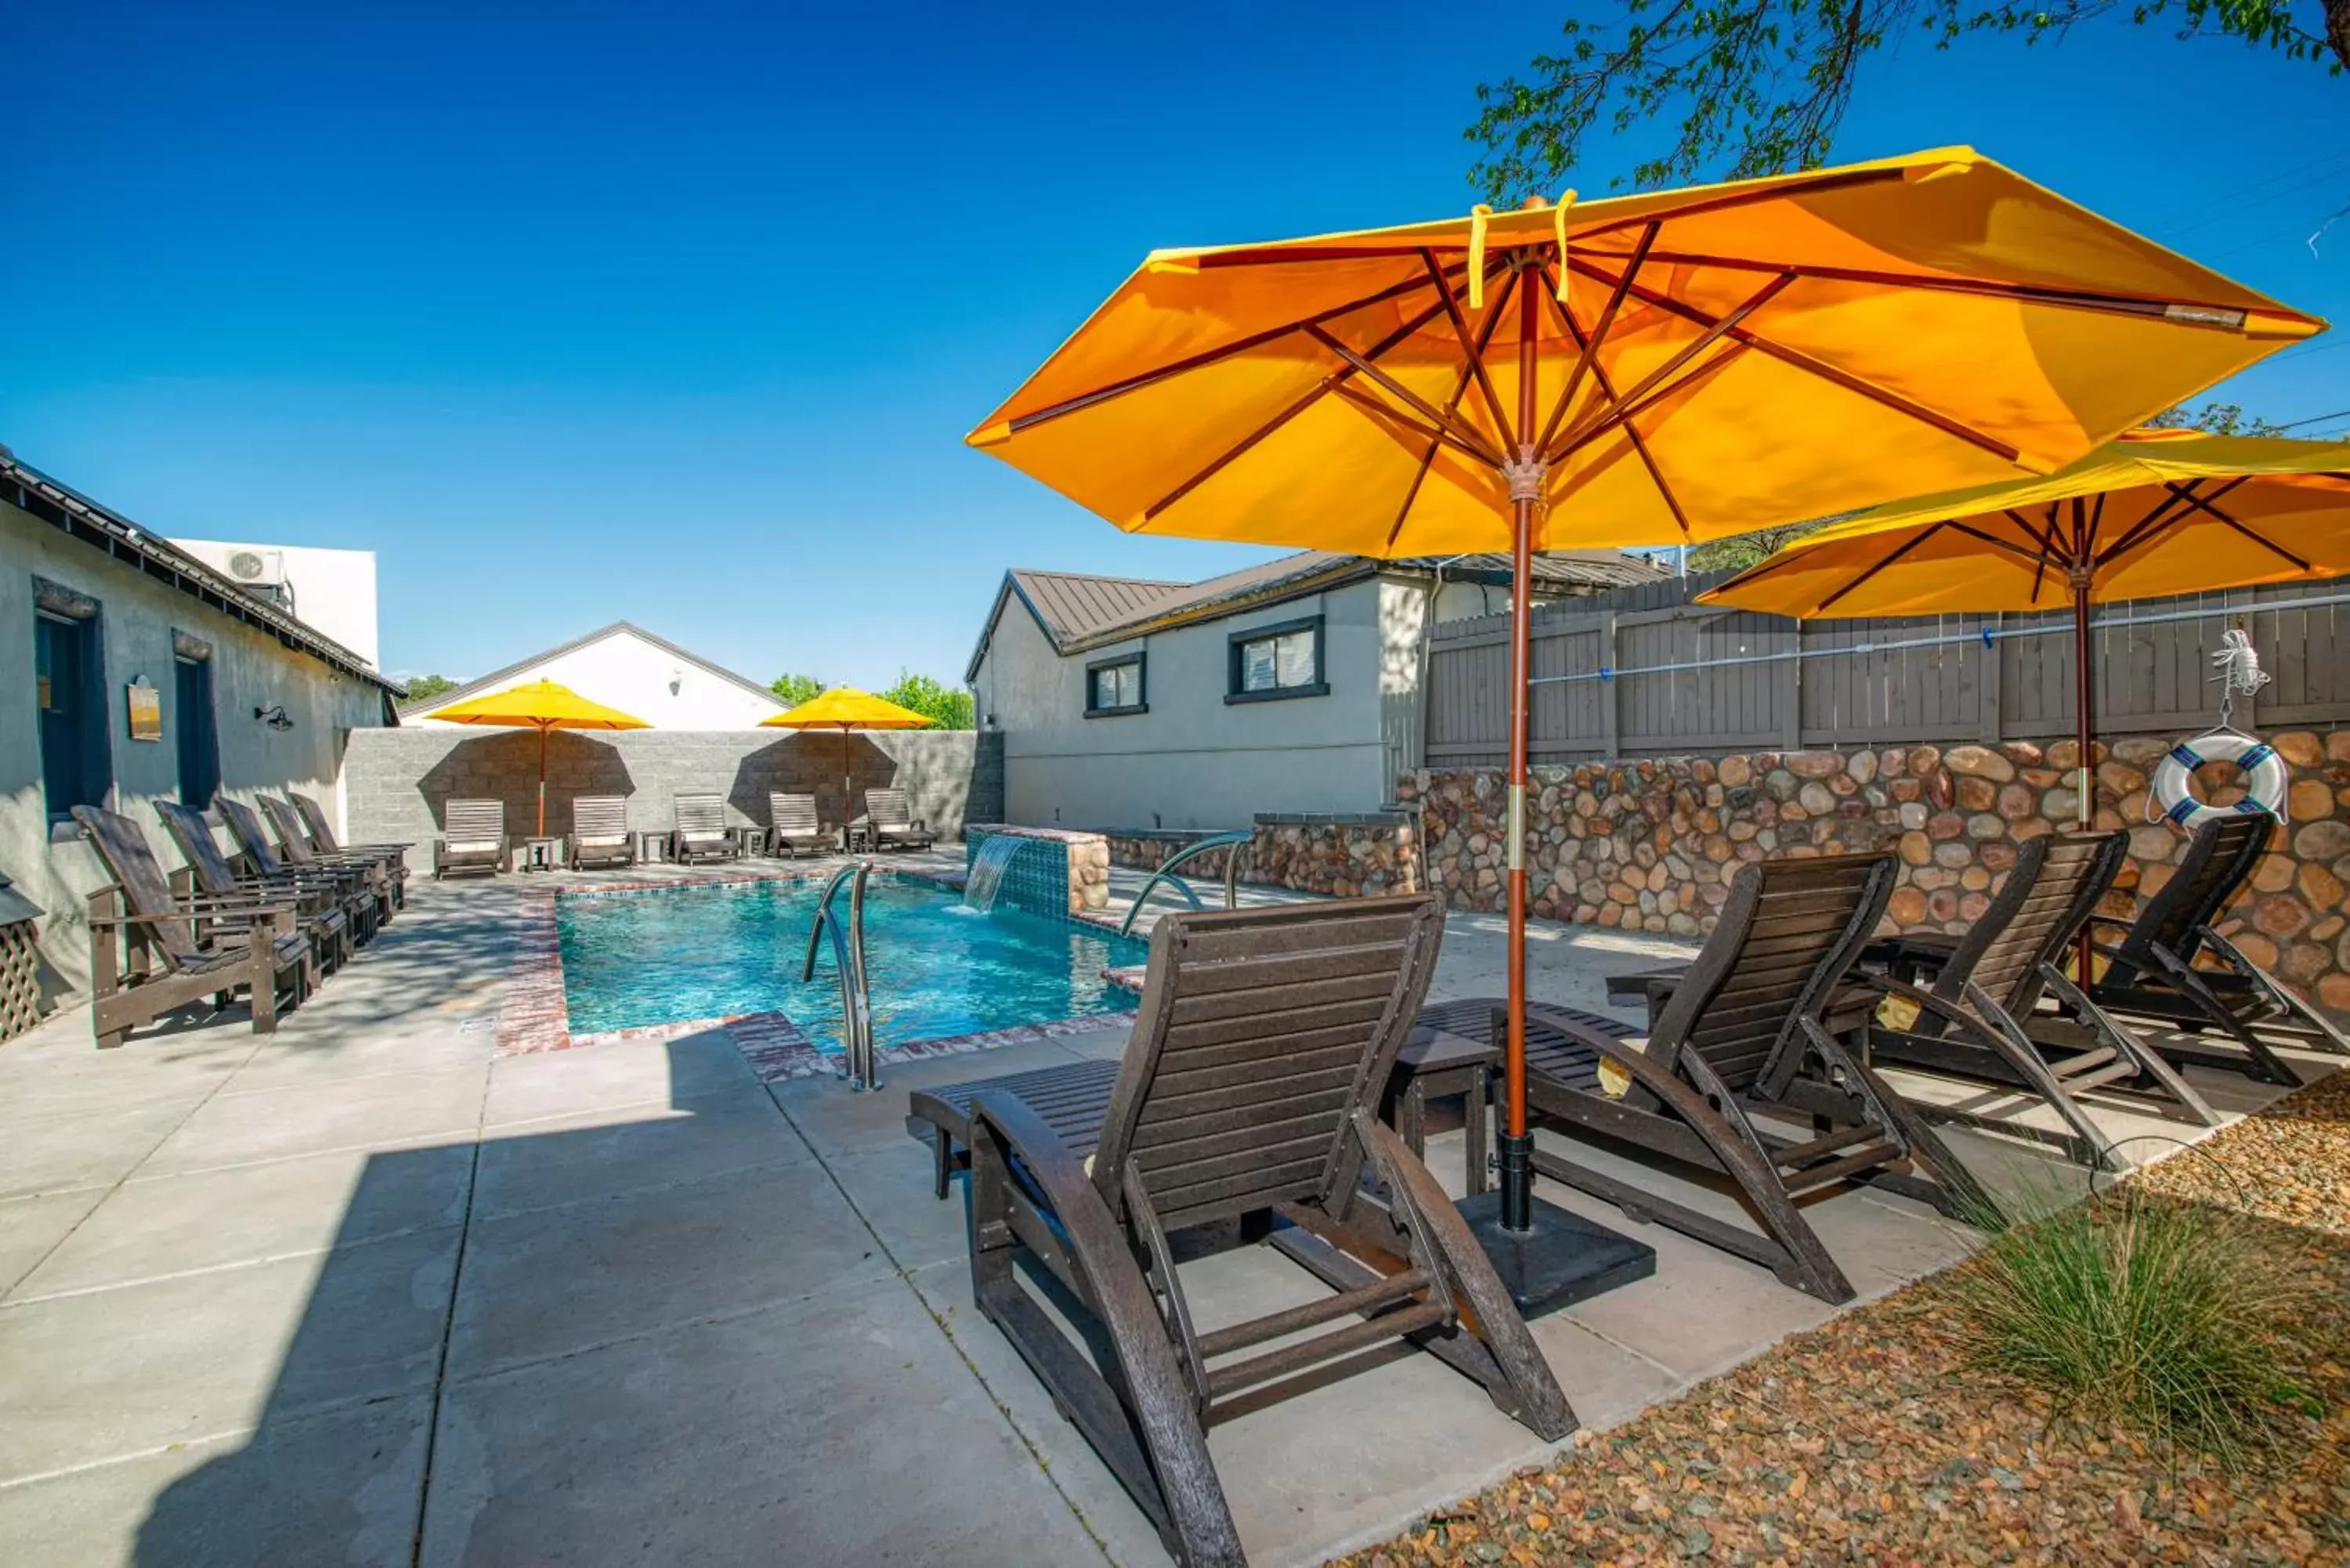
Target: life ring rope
column 2173, row 795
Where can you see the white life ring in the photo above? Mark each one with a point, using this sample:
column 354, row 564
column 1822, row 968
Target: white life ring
column 2174, row 777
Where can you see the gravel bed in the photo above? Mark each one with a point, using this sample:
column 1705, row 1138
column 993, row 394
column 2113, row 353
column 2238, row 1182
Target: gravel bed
column 1870, row 1441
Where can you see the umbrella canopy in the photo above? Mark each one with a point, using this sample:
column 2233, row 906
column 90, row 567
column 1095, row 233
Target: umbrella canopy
column 2151, row 514
column 1657, row 367
column 542, row 705
column 1766, row 350
column 547, row 704
column 847, row 708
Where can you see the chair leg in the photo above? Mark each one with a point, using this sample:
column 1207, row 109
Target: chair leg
column 2322, row 1032
column 1963, row 1198
column 264, row 987
column 2169, row 1083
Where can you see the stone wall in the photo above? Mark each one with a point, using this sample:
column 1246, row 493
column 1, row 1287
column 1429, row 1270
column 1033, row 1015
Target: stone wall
column 1342, row 854
column 396, row 782
column 1650, row 845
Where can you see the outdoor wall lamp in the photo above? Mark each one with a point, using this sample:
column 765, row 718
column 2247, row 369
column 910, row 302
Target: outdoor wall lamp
column 274, row 717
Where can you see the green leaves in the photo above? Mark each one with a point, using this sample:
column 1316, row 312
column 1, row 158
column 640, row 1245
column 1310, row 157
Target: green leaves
column 796, row 689
column 421, row 687
column 946, row 707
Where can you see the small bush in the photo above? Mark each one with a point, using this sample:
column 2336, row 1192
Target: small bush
column 2142, row 1312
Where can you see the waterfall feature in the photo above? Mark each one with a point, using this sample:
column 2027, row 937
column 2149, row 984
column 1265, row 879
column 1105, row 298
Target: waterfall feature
column 987, row 867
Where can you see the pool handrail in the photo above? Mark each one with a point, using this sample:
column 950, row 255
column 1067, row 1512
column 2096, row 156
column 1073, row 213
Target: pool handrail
column 1165, row 873
column 859, row 1063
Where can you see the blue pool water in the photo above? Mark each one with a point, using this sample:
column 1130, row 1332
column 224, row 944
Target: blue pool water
column 934, row 969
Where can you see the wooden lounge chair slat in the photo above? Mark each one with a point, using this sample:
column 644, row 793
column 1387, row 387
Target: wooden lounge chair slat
column 1312, row 1313
column 1273, row 1364
column 1242, row 1194
column 1326, row 1090
column 1255, row 1156
column 1215, row 1145
column 1275, row 973
column 1874, row 1157
column 1299, row 1039
column 1339, row 988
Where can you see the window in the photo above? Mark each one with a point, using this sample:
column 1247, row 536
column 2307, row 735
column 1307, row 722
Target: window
column 1114, row 686
column 1269, row 662
column 199, row 737
column 70, row 678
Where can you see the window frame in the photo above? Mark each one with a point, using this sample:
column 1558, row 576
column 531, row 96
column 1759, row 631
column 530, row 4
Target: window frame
column 1235, row 664
column 1139, row 659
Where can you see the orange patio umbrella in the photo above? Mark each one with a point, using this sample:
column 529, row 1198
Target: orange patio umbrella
column 542, row 705
column 1644, row 369
column 845, row 708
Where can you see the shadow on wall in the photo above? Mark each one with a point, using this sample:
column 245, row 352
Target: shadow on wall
column 813, row 762
column 503, row 765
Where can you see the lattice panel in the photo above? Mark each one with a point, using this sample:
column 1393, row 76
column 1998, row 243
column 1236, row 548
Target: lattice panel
column 20, row 980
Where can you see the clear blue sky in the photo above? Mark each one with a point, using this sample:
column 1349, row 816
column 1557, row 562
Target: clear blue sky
column 679, row 314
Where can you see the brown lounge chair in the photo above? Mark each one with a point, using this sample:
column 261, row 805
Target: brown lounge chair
column 793, row 825
column 892, row 824
column 701, row 833
column 318, row 902
column 309, row 823
column 359, row 896
column 151, row 954
column 371, row 872
column 1248, row 1093
column 472, row 838
column 1998, row 1009
column 1739, row 1051
column 2172, row 969
column 600, row 832
column 322, row 834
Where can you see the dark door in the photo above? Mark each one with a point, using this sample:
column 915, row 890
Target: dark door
column 199, row 738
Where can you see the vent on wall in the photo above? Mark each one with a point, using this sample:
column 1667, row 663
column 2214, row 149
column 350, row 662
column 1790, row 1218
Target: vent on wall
column 263, row 573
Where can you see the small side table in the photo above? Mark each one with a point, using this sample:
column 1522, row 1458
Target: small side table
column 1434, row 1062
column 652, row 848
column 539, row 854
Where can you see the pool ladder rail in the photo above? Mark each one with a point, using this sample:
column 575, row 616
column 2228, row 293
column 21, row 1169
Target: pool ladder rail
column 860, row 1064
column 1165, row 873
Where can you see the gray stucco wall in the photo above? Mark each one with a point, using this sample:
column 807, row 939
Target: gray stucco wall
column 395, row 781
column 1194, row 761
column 137, row 616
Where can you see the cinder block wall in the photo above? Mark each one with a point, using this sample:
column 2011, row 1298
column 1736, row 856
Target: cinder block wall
column 395, row 781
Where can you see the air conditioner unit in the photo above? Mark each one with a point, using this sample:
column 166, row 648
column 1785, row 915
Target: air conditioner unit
column 262, row 573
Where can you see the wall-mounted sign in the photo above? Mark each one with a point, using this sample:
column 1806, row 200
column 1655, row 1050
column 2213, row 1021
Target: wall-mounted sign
column 146, row 708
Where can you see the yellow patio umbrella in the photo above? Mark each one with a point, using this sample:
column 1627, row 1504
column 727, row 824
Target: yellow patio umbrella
column 2153, row 513
column 542, row 705
column 1648, row 368
column 845, row 708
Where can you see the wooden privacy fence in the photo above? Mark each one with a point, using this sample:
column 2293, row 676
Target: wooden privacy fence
column 1644, row 672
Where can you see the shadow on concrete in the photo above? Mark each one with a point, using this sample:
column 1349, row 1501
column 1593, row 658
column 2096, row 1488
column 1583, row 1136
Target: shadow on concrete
column 503, row 765
column 820, row 763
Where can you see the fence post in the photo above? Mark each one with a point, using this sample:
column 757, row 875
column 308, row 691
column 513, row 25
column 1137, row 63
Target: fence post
column 1991, row 731
column 1790, row 689
column 1611, row 717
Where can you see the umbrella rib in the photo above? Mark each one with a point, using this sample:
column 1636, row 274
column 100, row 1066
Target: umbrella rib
column 1141, row 380
column 1639, row 396
column 1372, row 405
column 1820, row 367
column 1475, row 352
column 1465, row 435
column 2159, row 518
column 2202, row 505
column 1631, row 432
column 1891, row 557
column 2193, row 312
column 2009, row 545
column 1598, row 332
column 1313, row 395
column 1460, row 389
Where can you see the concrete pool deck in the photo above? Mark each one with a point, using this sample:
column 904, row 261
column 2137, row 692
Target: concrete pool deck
column 369, row 1290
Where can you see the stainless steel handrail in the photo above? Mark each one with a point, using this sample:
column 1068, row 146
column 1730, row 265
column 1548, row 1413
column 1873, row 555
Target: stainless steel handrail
column 1165, row 873
column 860, row 1064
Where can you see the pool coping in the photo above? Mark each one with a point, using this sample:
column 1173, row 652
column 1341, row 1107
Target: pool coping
column 537, row 1016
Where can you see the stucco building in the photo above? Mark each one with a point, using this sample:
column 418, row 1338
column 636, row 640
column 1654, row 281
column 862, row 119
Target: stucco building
column 625, row 667
column 1294, row 686
column 132, row 672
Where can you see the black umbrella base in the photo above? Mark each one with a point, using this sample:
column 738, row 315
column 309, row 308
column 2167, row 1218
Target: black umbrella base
column 1559, row 1260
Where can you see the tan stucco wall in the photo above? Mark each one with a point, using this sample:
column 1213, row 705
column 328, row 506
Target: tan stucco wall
column 1194, row 761
column 139, row 613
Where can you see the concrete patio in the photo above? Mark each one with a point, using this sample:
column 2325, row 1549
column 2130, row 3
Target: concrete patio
column 366, row 1292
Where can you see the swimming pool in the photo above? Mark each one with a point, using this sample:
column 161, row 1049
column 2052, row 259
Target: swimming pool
column 935, row 970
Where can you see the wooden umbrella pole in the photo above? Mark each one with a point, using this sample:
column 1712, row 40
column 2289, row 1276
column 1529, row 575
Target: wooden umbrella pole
column 1514, row 1145
column 542, row 778
column 2084, row 806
